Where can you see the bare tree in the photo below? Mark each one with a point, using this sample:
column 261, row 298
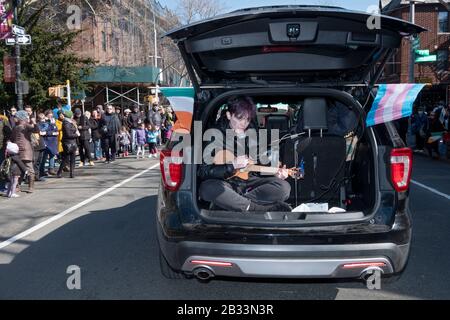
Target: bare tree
column 194, row 10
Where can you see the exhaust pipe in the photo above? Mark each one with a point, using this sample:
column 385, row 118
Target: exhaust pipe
column 367, row 273
column 203, row 273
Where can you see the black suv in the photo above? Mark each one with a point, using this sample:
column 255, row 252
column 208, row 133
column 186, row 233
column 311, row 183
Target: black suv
column 302, row 66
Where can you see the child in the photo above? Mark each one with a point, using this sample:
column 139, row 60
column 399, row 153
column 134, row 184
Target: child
column 152, row 134
column 140, row 140
column 124, row 141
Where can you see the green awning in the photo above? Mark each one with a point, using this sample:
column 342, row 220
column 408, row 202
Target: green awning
column 117, row 75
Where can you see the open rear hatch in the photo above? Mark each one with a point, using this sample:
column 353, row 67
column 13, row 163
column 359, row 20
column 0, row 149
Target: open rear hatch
column 300, row 44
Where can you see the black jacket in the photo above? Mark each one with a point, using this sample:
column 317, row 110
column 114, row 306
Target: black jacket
column 95, row 130
column 109, row 125
column 134, row 120
column 83, row 122
column 225, row 171
column 69, row 132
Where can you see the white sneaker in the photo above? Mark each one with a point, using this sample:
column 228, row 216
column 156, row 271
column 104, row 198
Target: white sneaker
column 14, row 196
column 81, row 165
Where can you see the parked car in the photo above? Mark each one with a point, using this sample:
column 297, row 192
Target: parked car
column 306, row 57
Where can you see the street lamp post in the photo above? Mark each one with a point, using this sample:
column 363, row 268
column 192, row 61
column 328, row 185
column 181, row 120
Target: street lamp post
column 17, row 54
column 412, row 11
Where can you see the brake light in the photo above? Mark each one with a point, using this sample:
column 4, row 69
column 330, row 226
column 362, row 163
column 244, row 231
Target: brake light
column 401, row 166
column 364, row 265
column 171, row 169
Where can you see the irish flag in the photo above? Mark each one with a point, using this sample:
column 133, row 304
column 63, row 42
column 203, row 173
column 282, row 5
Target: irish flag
column 182, row 102
column 393, row 101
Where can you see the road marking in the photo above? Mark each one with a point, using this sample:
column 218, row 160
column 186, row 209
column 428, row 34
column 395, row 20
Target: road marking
column 66, row 212
column 431, row 189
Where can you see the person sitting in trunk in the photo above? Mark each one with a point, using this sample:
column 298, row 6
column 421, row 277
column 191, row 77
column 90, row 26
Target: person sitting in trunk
column 255, row 194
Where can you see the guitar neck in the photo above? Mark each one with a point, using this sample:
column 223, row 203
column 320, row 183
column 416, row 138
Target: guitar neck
column 262, row 169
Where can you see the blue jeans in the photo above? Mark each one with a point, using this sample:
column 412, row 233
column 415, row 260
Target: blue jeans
column 51, row 161
column 98, row 149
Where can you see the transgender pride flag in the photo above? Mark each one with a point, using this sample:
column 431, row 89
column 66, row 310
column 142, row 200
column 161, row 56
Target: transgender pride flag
column 393, row 101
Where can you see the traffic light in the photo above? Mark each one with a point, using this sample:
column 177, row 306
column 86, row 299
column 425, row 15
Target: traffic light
column 57, row 91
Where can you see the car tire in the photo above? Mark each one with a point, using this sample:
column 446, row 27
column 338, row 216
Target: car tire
column 167, row 271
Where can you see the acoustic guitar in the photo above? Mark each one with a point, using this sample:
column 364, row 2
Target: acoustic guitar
column 227, row 157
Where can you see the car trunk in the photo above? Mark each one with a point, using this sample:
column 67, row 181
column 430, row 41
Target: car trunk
column 296, row 44
column 358, row 196
column 294, row 52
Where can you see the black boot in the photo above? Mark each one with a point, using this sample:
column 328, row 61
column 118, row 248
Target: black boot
column 277, row 206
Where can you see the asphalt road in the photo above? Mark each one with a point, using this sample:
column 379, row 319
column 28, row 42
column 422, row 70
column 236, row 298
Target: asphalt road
column 112, row 239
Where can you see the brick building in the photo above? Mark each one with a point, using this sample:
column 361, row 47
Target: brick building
column 119, row 35
column 434, row 16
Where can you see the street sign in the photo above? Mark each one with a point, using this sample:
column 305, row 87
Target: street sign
column 423, row 52
column 10, row 41
column 430, row 58
column 24, row 40
column 21, row 40
column 17, row 30
column 424, row 56
column 22, row 87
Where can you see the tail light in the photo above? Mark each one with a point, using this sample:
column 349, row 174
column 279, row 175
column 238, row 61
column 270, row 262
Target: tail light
column 171, row 169
column 212, row 263
column 401, row 166
column 364, row 265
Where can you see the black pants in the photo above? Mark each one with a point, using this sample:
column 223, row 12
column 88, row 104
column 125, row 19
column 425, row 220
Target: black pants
column 84, row 148
column 433, row 146
column 38, row 157
column 258, row 189
column 67, row 158
column 110, row 149
column 420, row 142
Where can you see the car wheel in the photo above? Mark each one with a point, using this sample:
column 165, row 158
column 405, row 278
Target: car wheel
column 167, row 270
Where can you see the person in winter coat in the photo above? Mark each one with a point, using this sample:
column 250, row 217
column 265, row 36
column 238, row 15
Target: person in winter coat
column 110, row 129
column 84, row 139
column 436, row 128
column 70, row 134
column 96, row 135
column 21, row 135
column 39, row 147
column 134, row 122
column 51, row 143
column 5, row 133
column 140, row 141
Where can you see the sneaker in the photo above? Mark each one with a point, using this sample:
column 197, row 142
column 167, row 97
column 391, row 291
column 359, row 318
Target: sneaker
column 81, row 165
column 106, row 161
column 14, row 196
column 91, row 163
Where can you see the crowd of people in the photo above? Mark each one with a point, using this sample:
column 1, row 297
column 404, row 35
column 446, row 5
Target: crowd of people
column 432, row 130
column 35, row 144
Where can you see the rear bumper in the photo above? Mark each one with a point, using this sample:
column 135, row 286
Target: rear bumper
column 284, row 261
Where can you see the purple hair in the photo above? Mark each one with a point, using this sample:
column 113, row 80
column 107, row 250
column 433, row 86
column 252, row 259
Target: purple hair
column 242, row 107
